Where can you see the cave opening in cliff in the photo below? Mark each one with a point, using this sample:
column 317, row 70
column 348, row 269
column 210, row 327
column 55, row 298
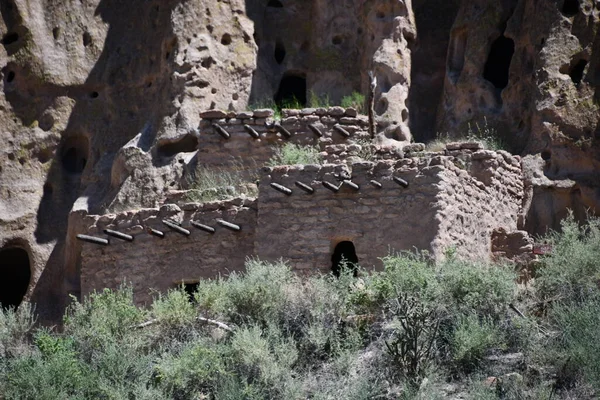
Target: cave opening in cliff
column 275, row 4
column 497, row 65
column 10, row 38
column 344, row 258
column 291, row 92
column 279, row 53
column 74, row 154
column 187, row 144
column 15, row 274
column 576, row 72
column 570, row 7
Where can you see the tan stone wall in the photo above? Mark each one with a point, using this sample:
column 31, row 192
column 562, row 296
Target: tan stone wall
column 151, row 263
column 479, row 194
column 305, row 228
column 242, row 149
column 454, row 199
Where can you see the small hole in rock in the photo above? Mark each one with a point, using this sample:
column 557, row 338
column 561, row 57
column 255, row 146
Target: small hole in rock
column 337, row 40
column 404, row 115
column 56, row 33
column 87, row 39
column 167, row 55
column 186, row 144
column 275, row 4
column 279, row 52
column 94, row 95
column 235, row 96
column 213, row 90
column 208, row 62
column 48, row 189
column 380, row 14
column 576, row 72
column 570, row 7
column 226, row 39
column 546, row 155
column 10, row 38
column 209, row 28
column 10, row 76
column 74, row 154
column 497, row 66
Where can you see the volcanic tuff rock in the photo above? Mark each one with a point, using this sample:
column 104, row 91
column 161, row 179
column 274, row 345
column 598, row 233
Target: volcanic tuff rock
column 100, row 100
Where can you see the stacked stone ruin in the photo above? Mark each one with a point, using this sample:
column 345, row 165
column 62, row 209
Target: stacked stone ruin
column 455, row 198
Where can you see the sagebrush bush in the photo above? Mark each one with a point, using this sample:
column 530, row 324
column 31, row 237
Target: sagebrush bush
column 322, row 337
column 293, row 154
column 472, row 338
column 355, row 100
column 572, row 272
column 210, row 184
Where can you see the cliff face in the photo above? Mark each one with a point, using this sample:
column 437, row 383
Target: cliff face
column 97, row 96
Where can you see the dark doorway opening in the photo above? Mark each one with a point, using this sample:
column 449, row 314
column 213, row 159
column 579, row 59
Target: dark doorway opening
column 279, row 52
column 498, row 63
column 292, row 90
column 74, row 154
column 576, row 72
column 275, row 4
column 190, row 288
column 344, row 258
column 15, row 274
column 186, row 144
column 570, row 8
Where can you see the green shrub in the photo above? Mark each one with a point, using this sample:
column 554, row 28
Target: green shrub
column 577, row 342
column 355, row 100
column 292, row 154
column 571, row 272
column 15, row 326
column 194, row 372
column 486, row 134
column 174, row 308
column 265, row 357
column 471, row 339
column 210, row 184
column 410, row 273
column 258, row 296
column 469, row 287
column 315, row 101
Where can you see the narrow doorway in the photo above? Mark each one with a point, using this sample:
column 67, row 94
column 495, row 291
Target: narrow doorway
column 292, row 91
column 344, row 258
column 15, row 274
column 190, row 289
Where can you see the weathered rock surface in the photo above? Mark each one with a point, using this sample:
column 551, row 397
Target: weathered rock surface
column 101, row 101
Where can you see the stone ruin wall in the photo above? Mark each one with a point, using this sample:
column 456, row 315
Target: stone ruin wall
column 482, row 194
column 153, row 263
column 444, row 205
column 242, row 149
